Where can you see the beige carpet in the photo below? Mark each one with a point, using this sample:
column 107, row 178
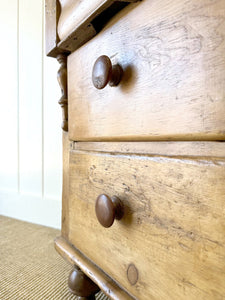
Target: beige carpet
column 30, row 268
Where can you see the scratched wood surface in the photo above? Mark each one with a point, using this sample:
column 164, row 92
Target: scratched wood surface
column 74, row 13
column 173, row 230
column 173, row 149
column 76, row 21
column 173, row 88
column 75, row 257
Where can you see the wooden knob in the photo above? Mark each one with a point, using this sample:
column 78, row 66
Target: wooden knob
column 103, row 73
column 108, row 209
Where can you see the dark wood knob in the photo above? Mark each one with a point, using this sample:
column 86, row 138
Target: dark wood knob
column 108, row 209
column 81, row 285
column 103, row 73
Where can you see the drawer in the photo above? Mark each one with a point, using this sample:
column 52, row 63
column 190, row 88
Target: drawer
column 170, row 243
column 173, row 86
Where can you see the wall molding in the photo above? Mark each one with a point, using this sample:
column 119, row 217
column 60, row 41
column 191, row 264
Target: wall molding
column 31, row 208
column 31, row 149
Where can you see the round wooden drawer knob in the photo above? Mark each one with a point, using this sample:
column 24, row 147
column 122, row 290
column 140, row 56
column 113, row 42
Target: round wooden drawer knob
column 108, row 209
column 103, row 73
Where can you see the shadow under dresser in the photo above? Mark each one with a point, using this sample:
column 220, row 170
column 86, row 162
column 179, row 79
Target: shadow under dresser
column 143, row 119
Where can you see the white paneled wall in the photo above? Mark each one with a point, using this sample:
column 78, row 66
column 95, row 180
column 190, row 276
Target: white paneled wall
column 30, row 118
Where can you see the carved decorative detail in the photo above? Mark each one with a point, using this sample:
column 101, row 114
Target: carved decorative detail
column 62, row 80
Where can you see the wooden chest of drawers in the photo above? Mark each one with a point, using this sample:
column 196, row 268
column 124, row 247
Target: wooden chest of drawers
column 154, row 142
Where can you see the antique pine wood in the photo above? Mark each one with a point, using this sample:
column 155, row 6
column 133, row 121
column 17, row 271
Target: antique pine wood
column 182, row 149
column 172, row 54
column 74, row 256
column 74, row 13
column 52, row 11
column 65, row 187
column 77, row 22
column 173, row 226
column 170, row 242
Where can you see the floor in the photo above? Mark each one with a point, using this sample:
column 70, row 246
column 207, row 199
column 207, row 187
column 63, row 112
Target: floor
column 30, row 268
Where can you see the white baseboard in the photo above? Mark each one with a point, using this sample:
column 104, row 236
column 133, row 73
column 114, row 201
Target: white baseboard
column 31, row 208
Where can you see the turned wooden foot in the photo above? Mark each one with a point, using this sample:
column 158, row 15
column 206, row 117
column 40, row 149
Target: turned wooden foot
column 81, row 285
column 87, row 298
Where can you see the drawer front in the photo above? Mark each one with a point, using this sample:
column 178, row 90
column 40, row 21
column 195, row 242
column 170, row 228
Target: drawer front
column 170, row 244
column 173, row 87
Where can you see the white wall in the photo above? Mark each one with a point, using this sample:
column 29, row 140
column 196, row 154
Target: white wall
column 30, row 117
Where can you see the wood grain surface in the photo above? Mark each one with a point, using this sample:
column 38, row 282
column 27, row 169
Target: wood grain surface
column 175, row 149
column 75, row 257
column 77, row 22
column 52, row 11
column 170, row 243
column 65, row 187
column 173, row 87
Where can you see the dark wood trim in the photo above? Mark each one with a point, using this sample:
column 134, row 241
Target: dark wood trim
column 62, row 80
column 81, row 285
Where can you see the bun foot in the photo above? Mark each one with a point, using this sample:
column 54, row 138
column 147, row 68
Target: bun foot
column 81, row 285
column 87, row 298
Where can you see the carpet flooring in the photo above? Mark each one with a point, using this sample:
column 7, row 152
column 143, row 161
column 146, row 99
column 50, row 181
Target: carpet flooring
column 30, row 268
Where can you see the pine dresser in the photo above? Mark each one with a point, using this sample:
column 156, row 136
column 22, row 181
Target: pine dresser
column 143, row 119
